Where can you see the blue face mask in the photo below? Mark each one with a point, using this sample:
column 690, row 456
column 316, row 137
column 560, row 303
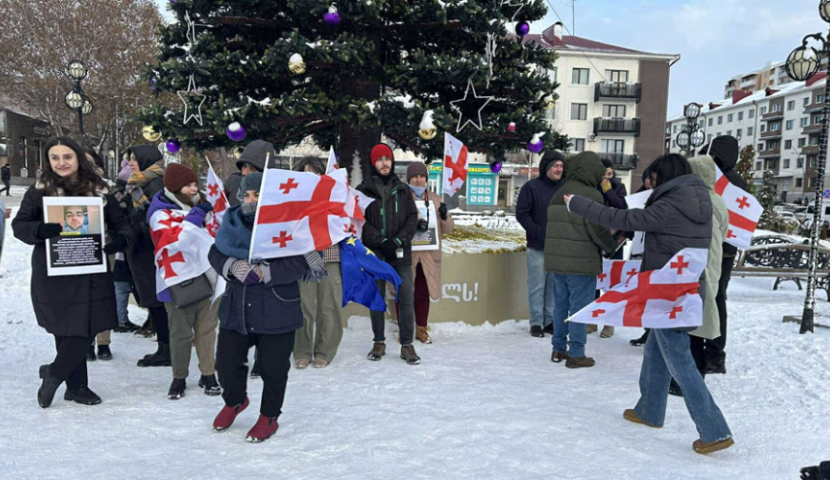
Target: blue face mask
column 419, row 191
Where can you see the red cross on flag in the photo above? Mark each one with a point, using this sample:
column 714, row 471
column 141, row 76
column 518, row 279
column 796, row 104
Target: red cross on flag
column 665, row 298
column 299, row 212
column 216, row 196
column 181, row 248
column 615, row 272
column 455, row 165
column 744, row 211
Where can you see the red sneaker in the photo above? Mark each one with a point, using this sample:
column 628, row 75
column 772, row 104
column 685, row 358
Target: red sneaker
column 264, row 428
column 227, row 415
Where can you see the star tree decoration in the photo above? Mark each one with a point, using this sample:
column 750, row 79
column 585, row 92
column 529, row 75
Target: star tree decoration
column 455, row 107
column 185, row 95
column 513, row 3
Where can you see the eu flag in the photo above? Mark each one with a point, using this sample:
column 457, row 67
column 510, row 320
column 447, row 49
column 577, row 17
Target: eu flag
column 360, row 269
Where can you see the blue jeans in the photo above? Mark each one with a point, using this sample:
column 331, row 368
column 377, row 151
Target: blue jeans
column 539, row 289
column 122, row 299
column 572, row 293
column 667, row 355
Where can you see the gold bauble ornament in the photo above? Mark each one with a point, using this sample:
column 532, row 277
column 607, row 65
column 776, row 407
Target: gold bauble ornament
column 428, row 133
column 150, row 133
column 548, row 102
column 237, row 153
column 296, row 64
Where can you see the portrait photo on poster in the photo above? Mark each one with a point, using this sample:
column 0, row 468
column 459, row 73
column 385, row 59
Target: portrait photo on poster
column 79, row 248
column 426, row 235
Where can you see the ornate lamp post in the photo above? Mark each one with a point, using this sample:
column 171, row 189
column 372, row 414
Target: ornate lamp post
column 803, row 63
column 76, row 99
column 690, row 134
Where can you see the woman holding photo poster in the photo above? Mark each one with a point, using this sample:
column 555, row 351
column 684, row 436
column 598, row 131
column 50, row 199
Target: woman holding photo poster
column 73, row 308
column 426, row 264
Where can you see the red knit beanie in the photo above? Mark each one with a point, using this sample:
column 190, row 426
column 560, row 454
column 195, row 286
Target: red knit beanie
column 177, row 176
column 381, row 150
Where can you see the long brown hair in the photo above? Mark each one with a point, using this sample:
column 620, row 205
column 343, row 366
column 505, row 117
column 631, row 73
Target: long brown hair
column 86, row 183
column 189, row 201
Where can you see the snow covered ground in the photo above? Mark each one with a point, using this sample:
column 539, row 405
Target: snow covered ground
column 486, row 403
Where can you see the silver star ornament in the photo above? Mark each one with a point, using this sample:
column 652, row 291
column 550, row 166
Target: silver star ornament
column 472, row 87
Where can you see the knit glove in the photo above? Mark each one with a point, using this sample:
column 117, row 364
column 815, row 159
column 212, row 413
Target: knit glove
column 205, row 207
column 442, row 211
column 316, row 268
column 388, row 248
column 245, row 273
column 606, row 185
column 47, row 231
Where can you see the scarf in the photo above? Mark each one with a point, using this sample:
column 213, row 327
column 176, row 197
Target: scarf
column 234, row 236
column 141, row 179
column 173, row 198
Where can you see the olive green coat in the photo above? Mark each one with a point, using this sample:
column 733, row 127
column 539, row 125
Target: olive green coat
column 573, row 245
column 704, row 166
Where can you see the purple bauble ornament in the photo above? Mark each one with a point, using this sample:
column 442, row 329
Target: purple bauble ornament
column 495, row 167
column 332, row 17
column 536, row 147
column 522, row 29
column 512, row 127
column 174, row 145
column 236, row 132
column 152, row 84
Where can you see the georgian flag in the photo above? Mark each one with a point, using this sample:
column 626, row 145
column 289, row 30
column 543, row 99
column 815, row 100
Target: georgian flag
column 665, row 298
column 356, row 209
column 299, row 212
column 744, row 211
column 615, row 272
column 455, row 164
column 216, row 196
column 182, row 248
column 331, row 165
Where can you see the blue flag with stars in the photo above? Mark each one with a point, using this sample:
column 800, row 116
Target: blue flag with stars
column 361, row 269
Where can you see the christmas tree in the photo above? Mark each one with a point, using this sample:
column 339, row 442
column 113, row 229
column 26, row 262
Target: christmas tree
column 283, row 70
column 767, row 198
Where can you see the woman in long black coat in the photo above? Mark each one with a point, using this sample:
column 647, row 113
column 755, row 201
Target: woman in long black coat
column 73, row 308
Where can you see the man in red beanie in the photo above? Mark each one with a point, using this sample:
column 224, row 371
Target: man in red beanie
column 391, row 221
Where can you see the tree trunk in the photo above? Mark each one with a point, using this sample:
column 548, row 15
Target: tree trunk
column 353, row 138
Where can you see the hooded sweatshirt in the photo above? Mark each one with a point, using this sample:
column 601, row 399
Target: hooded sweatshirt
column 725, row 150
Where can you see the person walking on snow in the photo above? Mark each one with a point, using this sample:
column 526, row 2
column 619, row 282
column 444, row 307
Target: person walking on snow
column 391, row 221
column 73, row 308
column 532, row 214
column 678, row 215
column 6, row 177
column 195, row 324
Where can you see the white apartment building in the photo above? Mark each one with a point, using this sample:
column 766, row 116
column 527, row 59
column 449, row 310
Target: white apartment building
column 773, row 74
column 783, row 124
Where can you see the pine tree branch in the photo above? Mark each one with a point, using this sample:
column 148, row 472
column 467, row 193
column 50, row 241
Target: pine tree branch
column 410, row 145
column 304, row 132
column 254, row 22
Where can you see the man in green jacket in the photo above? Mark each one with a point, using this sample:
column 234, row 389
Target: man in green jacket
column 573, row 252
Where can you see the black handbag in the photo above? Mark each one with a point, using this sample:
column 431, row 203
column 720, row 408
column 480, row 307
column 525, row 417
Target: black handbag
column 191, row 292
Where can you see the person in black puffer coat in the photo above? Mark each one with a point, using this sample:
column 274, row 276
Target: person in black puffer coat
column 724, row 151
column 146, row 180
column 678, row 215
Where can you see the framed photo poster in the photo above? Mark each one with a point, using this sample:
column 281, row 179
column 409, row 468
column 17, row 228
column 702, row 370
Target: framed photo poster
column 79, row 249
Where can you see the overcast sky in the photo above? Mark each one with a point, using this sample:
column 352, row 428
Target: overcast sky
column 716, row 39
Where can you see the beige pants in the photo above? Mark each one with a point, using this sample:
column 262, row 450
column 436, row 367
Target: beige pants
column 194, row 325
column 322, row 308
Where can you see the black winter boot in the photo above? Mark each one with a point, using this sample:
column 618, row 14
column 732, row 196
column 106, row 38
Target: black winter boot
column 211, row 386
column 159, row 359
column 90, row 354
column 104, row 352
column 46, row 392
column 177, row 389
column 82, row 395
column 536, row 331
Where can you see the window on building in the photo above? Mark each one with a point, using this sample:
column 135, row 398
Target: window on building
column 710, row 138
column 776, row 107
column 757, row 165
column 578, row 145
column 799, row 182
column 617, row 76
column 774, row 127
column 788, row 144
column 554, row 74
column 806, row 101
column 612, row 146
column 674, row 130
column 702, row 124
column 799, row 163
column 813, row 182
column 580, row 76
column 791, row 105
column 763, row 128
column 751, row 114
column 763, row 110
column 729, row 133
column 579, row 111
column 817, row 119
column 773, row 145
column 805, row 121
column 739, row 133
column 760, row 147
column 710, row 122
column 674, row 144
column 801, row 142
column 613, row 111
column 786, row 163
column 720, row 120
column 668, row 144
column 717, row 134
column 740, row 116
column 790, row 124
column 750, row 131
column 820, row 98
column 729, row 118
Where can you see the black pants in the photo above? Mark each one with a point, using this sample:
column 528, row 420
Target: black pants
column 70, row 362
column 696, row 345
column 160, row 324
column 716, row 349
column 274, row 360
column 7, row 188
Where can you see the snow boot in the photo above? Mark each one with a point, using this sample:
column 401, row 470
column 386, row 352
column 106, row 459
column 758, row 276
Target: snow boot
column 126, row 327
column 302, row 364
column 159, row 359
column 320, row 363
column 607, row 332
column 227, row 415
column 548, row 329
column 378, row 351
column 633, row 418
column 104, row 352
column 639, row 342
column 579, row 362
column 706, row 448
column 82, row 395
column 263, row 429
column 408, row 354
column 422, row 334
column 716, row 366
column 90, row 354
column 558, row 357
column 46, row 392
column 211, row 386
column 536, row 331
column 177, row 389
column 591, row 328
column 255, row 371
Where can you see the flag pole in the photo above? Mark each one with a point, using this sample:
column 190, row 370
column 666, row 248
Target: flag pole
column 258, row 207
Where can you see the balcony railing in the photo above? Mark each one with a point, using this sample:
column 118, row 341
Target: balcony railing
column 773, row 115
column 811, row 129
column 770, row 153
column 617, row 126
column 771, row 134
column 814, row 107
column 810, row 150
column 621, row 161
column 632, row 91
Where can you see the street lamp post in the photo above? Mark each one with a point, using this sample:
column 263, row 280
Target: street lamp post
column 691, row 136
column 76, row 99
column 803, row 63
